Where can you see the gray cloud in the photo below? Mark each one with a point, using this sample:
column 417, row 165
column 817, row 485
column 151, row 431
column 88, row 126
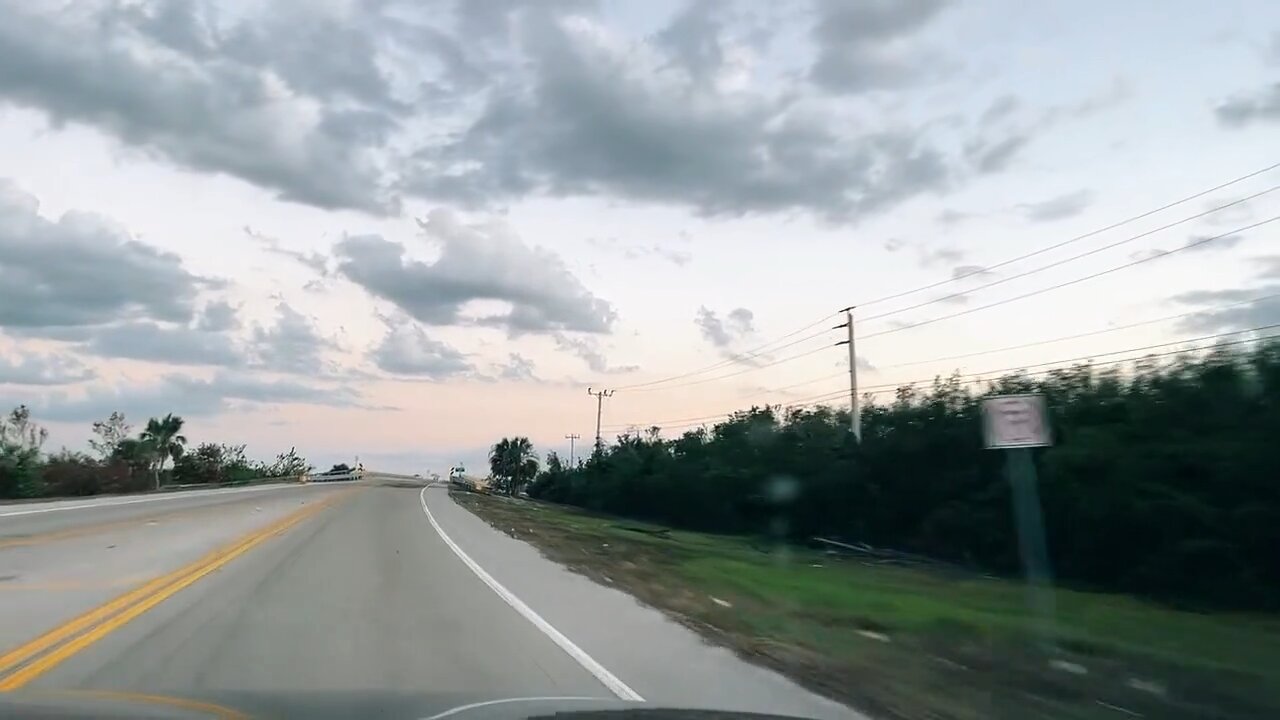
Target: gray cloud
column 186, row 396
column 292, row 345
column 518, row 368
column 82, row 270
column 1269, row 267
column 1244, row 314
column 154, row 342
column 952, row 217
column 1057, row 208
column 156, row 76
column 977, row 272
column 992, row 157
column 930, row 257
column 861, row 46
column 476, row 262
column 693, row 39
column 1148, row 254
column 1209, row 243
column 315, row 261
column 1257, row 314
column 324, row 104
column 636, row 251
column 407, row 350
column 723, row 334
column 1004, row 130
column 1194, row 244
column 218, row 316
column 595, row 120
column 43, row 369
column 1000, row 108
column 1232, row 215
column 589, row 351
column 1242, row 110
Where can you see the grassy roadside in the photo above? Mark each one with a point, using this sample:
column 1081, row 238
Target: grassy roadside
column 908, row 643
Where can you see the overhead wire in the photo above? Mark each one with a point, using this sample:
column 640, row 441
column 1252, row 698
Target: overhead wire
column 968, row 311
column 1067, row 362
column 1077, row 238
column 1077, row 336
column 1022, row 346
column 740, row 357
column 767, row 347
column 1049, row 341
column 985, row 376
column 1063, row 261
column 743, row 371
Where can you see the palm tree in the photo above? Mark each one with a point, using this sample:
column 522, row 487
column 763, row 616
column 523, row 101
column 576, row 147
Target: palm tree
column 498, row 459
column 513, row 463
column 164, row 440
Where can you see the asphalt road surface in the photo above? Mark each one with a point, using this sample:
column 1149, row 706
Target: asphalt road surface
column 380, row 590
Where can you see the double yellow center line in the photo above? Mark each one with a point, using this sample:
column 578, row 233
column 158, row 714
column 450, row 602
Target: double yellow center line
column 37, row 657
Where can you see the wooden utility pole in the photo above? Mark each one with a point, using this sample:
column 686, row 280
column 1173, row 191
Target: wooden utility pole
column 855, row 416
column 599, row 395
column 571, row 438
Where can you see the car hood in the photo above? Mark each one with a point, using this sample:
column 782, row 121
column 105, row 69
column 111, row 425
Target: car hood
column 113, row 705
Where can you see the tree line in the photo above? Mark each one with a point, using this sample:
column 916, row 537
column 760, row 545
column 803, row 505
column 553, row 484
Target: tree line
column 1164, row 479
column 121, row 461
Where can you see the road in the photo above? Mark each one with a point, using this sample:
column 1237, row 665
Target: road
column 377, row 591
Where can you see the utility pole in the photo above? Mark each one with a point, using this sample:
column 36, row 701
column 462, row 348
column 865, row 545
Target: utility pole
column 572, row 437
column 855, row 416
column 600, row 395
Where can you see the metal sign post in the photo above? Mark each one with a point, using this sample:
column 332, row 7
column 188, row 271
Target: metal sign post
column 1015, row 424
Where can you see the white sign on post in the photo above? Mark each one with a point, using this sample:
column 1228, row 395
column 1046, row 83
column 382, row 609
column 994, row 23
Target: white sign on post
column 1015, row 421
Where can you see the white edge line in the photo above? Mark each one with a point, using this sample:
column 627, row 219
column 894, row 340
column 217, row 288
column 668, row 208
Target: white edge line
column 487, row 703
column 588, row 663
column 174, row 495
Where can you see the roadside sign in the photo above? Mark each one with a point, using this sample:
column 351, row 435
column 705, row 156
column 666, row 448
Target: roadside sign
column 1015, row 424
column 1015, row 421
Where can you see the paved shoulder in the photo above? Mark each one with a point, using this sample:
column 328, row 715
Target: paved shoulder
column 663, row 661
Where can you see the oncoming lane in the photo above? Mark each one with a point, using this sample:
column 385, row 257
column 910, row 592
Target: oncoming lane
column 59, row 564
column 361, row 599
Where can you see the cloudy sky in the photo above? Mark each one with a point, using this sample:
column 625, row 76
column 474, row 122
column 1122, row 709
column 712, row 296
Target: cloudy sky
column 404, row 229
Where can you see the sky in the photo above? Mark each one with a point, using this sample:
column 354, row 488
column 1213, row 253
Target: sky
column 404, row 230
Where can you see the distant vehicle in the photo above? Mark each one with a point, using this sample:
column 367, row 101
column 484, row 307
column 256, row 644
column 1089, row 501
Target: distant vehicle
column 458, row 478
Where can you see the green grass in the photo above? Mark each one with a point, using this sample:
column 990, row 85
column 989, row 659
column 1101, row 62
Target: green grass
column 958, row 646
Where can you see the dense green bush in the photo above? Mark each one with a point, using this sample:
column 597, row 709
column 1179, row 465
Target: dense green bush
column 125, row 463
column 1164, row 480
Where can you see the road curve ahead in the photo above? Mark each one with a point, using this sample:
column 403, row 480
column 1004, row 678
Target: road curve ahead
column 357, row 595
column 342, row 596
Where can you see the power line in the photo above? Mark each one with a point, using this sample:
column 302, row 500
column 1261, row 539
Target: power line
column 1139, row 261
column 744, row 370
column 1073, row 258
column 1069, row 241
column 739, row 357
column 1064, row 338
column 979, row 376
column 1090, row 356
column 1077, row 336
column 768, row 391
column 678, row 420
column 721, row 377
